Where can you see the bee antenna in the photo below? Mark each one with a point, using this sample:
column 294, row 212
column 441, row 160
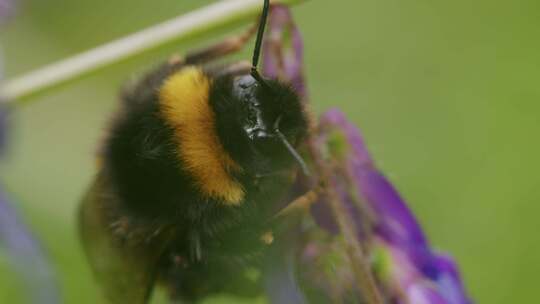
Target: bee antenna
column 258, row 43
column 290, row 148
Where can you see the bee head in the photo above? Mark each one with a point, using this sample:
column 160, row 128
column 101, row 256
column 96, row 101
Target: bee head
column 259, row 124
column 259, row 121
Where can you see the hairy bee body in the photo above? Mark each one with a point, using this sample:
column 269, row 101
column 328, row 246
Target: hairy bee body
column 190, row 177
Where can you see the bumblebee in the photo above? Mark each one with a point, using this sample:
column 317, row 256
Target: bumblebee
column 192, row 166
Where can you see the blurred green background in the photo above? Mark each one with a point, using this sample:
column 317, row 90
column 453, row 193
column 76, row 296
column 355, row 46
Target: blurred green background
column 446, row 93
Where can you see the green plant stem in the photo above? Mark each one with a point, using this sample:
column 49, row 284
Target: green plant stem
column 200, row 21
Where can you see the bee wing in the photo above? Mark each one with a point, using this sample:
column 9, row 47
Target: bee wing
column 123, row 262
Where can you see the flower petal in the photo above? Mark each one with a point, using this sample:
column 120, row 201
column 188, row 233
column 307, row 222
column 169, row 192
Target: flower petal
column 423, row 293
column 448, row 280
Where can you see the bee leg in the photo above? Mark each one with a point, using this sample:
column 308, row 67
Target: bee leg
column 300, row 204
column 228, row 46
column 237, row 68
column 232, row 44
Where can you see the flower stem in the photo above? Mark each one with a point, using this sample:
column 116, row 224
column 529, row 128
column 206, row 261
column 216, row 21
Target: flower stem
column 355, row 251
column 200, row 21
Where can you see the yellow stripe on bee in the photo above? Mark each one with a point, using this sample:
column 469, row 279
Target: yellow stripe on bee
column 185, row 106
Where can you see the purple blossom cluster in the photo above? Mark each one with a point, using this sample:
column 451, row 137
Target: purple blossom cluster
column 407, row 268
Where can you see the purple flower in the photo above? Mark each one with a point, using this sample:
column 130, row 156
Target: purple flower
column 405, row 264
